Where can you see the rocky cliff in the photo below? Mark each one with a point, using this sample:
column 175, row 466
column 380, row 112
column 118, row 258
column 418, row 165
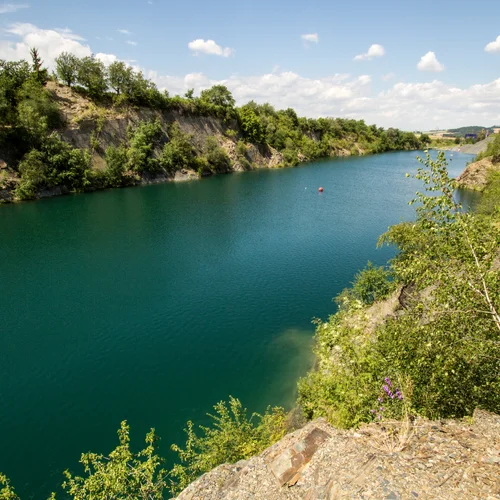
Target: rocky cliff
column 394, row 460
column 475, row 176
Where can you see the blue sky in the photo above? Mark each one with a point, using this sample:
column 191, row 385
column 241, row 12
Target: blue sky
column 257, row 48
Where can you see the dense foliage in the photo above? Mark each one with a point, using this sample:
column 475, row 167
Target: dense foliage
column 492, row 149
column 29, row 118
column 442, row 336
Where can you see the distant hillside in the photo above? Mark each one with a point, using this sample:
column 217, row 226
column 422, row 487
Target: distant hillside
column 474, row 129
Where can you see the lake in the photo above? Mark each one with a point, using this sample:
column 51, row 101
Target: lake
column 151, row 304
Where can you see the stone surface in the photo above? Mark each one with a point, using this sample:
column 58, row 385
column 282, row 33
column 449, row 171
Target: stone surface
column 392, row 460
column 476, row 174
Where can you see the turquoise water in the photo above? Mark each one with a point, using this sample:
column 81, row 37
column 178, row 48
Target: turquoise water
column 151, row 304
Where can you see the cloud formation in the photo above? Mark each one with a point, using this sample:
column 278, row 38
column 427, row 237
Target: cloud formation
column 124, row 32
column 410, row 106
column 130, row 42
column 7, row 8
column 493, row 46
column 429, row 62
column 200, row 46
column 310, row 38
column 374, row 50
column 50, row 44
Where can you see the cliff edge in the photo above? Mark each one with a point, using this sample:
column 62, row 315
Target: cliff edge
column 475, row 175
column 445, row 459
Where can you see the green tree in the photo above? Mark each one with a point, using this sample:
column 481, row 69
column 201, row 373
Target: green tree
column 219, row 95
column 217, row 158
column 67, row 66
column 92, row 75
column 143, row 142
column 121, row 78
column 122, row 474
column 178, row 153
column 251, row 125
column 36, row 111
column 116, row 161
column 41, row 74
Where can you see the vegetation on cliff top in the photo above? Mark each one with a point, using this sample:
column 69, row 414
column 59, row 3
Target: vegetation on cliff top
column 31, row 122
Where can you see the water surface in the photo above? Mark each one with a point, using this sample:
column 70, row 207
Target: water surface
column 151, row 304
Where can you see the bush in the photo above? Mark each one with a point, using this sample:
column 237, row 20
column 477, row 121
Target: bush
column 123, row 474
column 178, row 153
column 370, row 285
column 232, row 437
column 143, row 141
column 493, row 149
column 55, row 163
column 116, row 161
column 217, row 158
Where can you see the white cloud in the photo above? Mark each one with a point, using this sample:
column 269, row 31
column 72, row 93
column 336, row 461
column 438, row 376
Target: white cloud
column 310, row 37
column 107, row 59
column 410, row 106
column 493, row 46
column 429, row 62
column 7, row 8
column 209, row 47
column 375, row 50
column 130, row 42
column 50, row 44
column 124, row 32
column 387, row 77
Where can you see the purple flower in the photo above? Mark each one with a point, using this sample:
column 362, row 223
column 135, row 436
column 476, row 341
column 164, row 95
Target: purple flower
column 399, row 395
column 373, row 411
column 389, row 393
column 380, row 400
column 388, row 381
column 381, row 408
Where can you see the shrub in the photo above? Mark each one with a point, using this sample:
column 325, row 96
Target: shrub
column 123, row 474
column 116, row 161
column 55, row 163
column 232, row 437
column 370, row 284
column 143, row 140
column 217, row 158
column 178, row 153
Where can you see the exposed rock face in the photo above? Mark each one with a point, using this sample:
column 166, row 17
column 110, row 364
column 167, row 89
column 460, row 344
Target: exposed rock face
column 475, row 175
column 420, row 459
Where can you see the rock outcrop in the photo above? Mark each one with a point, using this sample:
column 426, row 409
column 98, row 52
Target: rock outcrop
column 412, row 459
column 475, row 175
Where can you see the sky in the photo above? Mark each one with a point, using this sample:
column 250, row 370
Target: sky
column 413, row 65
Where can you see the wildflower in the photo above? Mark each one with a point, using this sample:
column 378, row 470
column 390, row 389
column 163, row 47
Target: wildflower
column 373, row 411
column 388, row 391
column 388, row 381
column 399, row 395
column 380, row 400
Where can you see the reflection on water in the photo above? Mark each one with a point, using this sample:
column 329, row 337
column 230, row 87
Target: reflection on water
column 468, row 198
column 297, row 343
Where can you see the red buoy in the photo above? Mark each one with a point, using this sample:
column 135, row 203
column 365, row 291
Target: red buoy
column 320, row 189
